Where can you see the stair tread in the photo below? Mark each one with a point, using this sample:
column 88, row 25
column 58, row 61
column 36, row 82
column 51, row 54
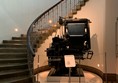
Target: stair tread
column 21, row 38
column 12, row 44
column 2, row 49
column 13, row 71
column 15, row 79
column 13, row 48
column 13, row 64
column 13, row 53
column 13, row 59
column 14, row 40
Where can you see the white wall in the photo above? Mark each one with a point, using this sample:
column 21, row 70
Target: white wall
column 20, row 14
column 103, row 14
column 111, row 15
column 95, row 11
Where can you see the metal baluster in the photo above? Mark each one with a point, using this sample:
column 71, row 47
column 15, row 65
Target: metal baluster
column 70, row 5
column 74, row 4
column 70, row 11
column 66, row 8
column 43, row 21
column 49, row 19
column 57, row 14
column 53, row 16
column 46, row 20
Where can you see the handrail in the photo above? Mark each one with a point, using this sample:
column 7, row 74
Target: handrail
column 29, row 46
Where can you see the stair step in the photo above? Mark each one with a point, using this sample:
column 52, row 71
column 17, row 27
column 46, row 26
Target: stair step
column 74, row 11
column 70, row 15
column 13, row 66
column 9, row 45
column 7, row 74
column 19, row 38
column 78, row 7
column 82, row 2
column 12, row 55
column 15, row 41
column 13, row 50
column 18, row 79
column 13, row 60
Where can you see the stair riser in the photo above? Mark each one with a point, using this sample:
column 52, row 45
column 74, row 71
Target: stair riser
column 19, row 38
column 25, row 66
column 10, row 56
column 74, row 12
column 14, row 75
column 82, row 3
column 13, row 46
column 12, row 41
column 23, row 80
column 13, row 50
column 23, row 35
column 78, row 7
column 12, row 61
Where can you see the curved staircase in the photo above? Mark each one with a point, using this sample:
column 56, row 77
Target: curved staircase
column 14, row 62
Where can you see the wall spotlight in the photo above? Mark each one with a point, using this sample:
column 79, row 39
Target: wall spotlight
column 50, row 21
column 98, row 65
column 16, row 30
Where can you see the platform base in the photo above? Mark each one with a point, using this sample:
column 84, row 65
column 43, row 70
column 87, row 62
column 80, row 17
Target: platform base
column 51, row 78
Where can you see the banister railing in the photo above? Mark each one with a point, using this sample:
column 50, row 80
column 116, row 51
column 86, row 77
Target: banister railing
column 30, row 31
column 48, row 20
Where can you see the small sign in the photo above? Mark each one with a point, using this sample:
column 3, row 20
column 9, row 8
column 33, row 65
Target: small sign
column 69, row 61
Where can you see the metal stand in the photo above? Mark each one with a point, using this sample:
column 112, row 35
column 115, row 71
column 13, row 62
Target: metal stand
column 70, row 75
column 79, row 69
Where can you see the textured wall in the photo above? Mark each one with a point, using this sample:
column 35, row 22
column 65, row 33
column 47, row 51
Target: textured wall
column 103, row 14
column 111, row 16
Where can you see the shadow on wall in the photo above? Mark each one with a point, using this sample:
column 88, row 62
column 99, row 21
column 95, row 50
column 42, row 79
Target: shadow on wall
column 95, row 61
column 94, row 45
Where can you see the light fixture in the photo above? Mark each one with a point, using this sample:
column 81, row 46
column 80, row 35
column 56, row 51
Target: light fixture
column 50, row 21
column 16, row 30
column 55, row 25
column 98, row 65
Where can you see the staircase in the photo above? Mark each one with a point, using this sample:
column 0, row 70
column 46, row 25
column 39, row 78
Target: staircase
column 14, row 61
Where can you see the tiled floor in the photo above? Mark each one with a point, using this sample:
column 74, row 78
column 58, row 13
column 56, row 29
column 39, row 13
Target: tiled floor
column 89, row 78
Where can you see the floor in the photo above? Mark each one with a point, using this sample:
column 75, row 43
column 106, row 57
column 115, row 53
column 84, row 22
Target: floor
column 89, row 78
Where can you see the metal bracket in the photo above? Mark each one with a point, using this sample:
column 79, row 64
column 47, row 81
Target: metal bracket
column 89, row 54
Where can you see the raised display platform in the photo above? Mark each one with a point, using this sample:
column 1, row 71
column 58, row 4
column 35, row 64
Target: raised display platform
column 53, row 78
column 62, row 79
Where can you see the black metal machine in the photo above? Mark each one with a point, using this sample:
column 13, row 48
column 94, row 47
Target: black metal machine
column 75, row 41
